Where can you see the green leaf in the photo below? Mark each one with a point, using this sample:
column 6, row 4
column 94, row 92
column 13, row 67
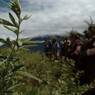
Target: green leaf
column 13, row 87
column 5, row 22
column 11, row 29
column 16, row 68
column 13, row 20
column 6, row 42
column 14, row 30
column 2, row 40
column 16, row 7
column 28, row 75
column 26, row 17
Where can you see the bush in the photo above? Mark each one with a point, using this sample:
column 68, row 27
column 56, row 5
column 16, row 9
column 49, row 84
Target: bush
column 57, row 78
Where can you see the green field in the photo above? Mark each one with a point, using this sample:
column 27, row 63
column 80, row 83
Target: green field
column 39, row 76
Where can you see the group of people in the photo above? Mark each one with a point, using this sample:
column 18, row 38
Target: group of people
column 59, row 49
column 80, row 50
column 53, row 49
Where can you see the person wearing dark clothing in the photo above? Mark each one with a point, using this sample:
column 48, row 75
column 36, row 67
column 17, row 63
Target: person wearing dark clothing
column 48, row 49
column 90, row 92
column 58, row 49
column 66, row 48
column 87, row 63
column 54, row 49
column 76, row 50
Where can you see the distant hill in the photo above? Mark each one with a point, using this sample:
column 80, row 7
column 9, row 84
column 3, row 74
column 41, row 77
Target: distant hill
column 46, row 37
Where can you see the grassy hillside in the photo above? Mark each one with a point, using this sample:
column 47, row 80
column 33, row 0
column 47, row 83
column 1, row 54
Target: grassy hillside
column 46, row 77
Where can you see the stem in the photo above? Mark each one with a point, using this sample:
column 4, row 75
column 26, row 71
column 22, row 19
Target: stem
column 19, row 21
column 16, row 41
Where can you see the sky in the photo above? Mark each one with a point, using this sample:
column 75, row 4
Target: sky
column 51, row 16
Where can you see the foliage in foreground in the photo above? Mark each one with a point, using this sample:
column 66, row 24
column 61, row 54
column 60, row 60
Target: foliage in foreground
column 58, row 78
column 51, row 78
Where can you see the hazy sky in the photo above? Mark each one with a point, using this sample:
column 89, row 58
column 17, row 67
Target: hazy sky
column 52, row 16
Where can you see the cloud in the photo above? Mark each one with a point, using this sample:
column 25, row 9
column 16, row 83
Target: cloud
column 56, row 16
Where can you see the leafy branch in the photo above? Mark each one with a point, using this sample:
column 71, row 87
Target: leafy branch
column 10, row 65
